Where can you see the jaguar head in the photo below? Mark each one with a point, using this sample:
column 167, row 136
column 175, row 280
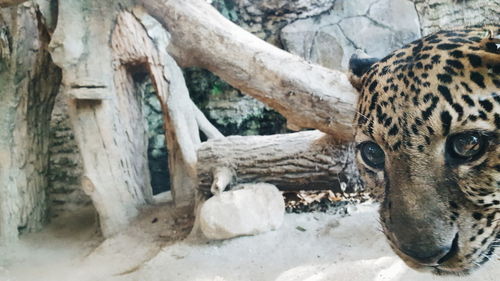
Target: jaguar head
column 427, row 131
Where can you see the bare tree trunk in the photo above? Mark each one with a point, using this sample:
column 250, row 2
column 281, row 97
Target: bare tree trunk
column 30, row 82
column 297, row 161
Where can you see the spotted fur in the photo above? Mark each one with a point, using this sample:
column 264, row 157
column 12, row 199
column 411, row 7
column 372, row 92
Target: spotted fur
column 410, row 103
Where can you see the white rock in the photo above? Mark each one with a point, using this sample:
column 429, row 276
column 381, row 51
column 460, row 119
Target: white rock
column 249, row 209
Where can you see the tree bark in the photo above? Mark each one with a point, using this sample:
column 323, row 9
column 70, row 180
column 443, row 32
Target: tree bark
column 29, row 83
column 296, row 161
column 202, row 37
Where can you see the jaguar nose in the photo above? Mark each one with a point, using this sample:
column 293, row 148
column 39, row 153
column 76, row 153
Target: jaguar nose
column 431, row 257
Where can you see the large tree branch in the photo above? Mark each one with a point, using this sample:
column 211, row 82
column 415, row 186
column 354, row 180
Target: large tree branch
column 308, row 95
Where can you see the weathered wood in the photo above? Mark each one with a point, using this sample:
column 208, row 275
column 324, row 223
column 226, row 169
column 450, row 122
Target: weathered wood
column 210, row 131
column 296, row 161
column 203, row 37
column 29, row 83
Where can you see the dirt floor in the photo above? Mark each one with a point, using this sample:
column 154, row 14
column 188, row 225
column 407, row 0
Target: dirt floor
column 309, row 246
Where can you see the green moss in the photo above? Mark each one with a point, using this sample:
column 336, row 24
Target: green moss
column 217, row 88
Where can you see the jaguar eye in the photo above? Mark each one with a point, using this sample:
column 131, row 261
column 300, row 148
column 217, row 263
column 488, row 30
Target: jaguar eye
column 372, row 154
column 466, row 147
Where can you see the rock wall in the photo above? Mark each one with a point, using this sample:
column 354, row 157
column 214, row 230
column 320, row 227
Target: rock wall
column 29, row 84
column 65, row 164
column 265, row 18
column 374, row 26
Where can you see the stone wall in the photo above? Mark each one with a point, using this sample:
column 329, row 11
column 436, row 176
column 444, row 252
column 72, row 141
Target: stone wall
column 328, row 31
column 65, row 164
column 374, row 26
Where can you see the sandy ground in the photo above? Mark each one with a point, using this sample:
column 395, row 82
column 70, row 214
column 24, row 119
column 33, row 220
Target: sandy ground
column 308, row 247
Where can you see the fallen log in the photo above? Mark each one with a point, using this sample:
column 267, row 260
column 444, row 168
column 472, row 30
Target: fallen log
column 308, row 160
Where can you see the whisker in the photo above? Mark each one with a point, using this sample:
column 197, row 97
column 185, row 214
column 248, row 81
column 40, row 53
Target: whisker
column 476, row 263
column 361, row 114
column 485, row 256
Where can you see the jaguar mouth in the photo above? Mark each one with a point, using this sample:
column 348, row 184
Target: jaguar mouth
column 447, row 268
column 459, row 258
column 446, row 272
column 445, row 265
column 451, row 253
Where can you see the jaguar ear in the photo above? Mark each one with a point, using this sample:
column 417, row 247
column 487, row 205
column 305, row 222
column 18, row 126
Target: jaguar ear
column 359, row 64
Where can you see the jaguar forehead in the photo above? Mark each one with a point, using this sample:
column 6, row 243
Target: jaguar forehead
column 428, row 87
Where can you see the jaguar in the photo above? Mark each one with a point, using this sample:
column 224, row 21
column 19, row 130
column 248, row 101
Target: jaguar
column 427, row 136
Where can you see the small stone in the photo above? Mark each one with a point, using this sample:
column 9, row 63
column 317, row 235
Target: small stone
column 250, row 209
